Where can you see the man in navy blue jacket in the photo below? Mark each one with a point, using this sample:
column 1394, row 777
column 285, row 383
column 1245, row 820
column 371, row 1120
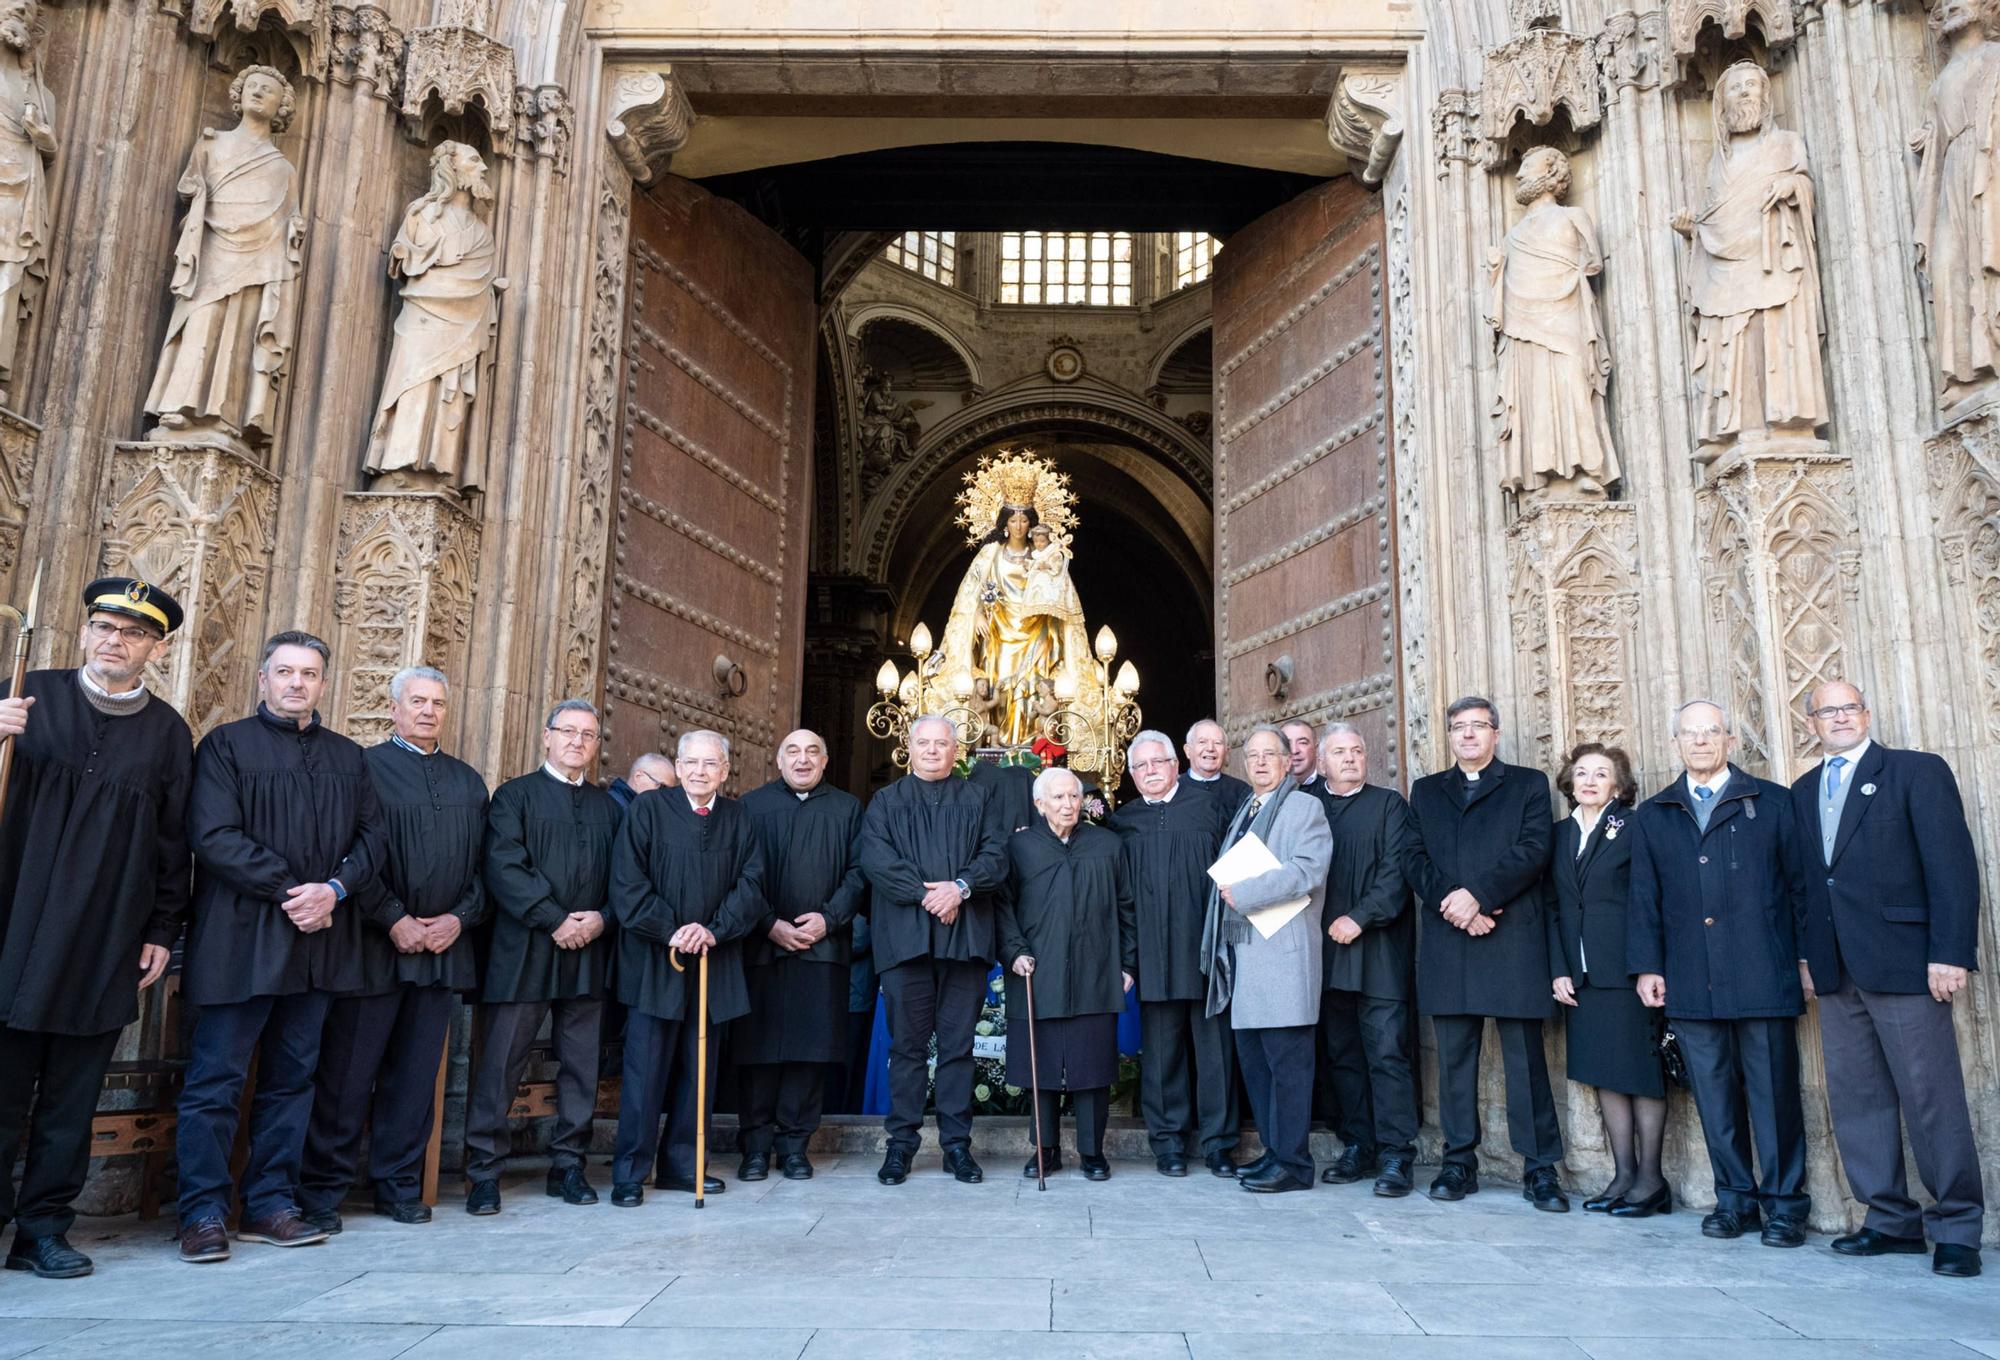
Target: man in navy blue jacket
column 1891, row 934
column 1717, row 891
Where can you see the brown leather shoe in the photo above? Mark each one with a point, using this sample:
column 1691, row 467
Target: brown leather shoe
column 286, row 1228
column 204, row 1240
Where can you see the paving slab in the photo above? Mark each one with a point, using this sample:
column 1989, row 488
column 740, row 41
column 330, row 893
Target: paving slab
column 1660, row 1311
column 611, row 1343
column 21, row 1335
column 485, row 1297
column 1972, row 1309
column 1238, row 1346
column 861, row 1302
column 835, row 1343
column 1153, row 1306
column 205, row 1339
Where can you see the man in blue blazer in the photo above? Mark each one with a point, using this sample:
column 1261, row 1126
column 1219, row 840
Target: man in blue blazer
column 1718, row 885
column 1891, row 934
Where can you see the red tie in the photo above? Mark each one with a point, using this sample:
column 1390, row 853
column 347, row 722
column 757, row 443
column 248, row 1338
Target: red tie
column 701, row 812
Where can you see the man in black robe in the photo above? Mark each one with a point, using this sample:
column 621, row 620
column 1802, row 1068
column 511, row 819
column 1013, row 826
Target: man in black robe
column 1364, row 1018
column 548, row 876
column 93, row 884
column 1483, row 835
column 934, row 853
column 285, row 829
column 1010, row 789
column 379, row 1054
column 1207, row 750
column 1172, row 832
column 795, row 963
column 687, row 877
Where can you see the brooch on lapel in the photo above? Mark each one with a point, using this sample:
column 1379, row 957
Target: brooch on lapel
column 1867, row 790
column 1611, row 825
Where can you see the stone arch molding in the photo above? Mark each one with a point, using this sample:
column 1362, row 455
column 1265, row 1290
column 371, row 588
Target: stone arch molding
column 1167, row 351
column 865, row 316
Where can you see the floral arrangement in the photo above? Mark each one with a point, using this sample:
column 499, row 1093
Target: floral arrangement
column 1095, row 808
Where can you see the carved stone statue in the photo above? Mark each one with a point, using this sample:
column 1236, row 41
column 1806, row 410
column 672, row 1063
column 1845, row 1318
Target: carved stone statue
column 26, row 142
column 1554, row 366
column 235, row 285
column 888, row 429
column 1958, row 201
column 446, row 258
column 1754, row 283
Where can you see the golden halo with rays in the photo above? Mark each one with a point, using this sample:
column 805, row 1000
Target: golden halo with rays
column 1014, row 477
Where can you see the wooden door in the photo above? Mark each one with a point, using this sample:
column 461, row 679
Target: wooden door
column 1305, row 599
column 704, row 625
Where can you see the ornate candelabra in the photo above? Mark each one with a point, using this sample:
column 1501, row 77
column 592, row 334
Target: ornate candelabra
column 905, row 698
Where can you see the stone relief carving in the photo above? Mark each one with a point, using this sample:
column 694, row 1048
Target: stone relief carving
column 1527, row 14
column 1554, row 363
column 403, row 598
column 20, row 447
column 1753, row 279
column 27, row 145
column 1455, row 129
column 1529, row 77
column 1964, row 468
column 367, row 49
column 1686, row 19
column 1407, row 464
column 1576, row 613
column 306, row 24
column 542, row 123
column 446, row 258
column 235, row 281
column 648, row 119
column 462, row 67
column 1364, row 120
column 1958, row 203
column 1630, row 50
column 886, row 430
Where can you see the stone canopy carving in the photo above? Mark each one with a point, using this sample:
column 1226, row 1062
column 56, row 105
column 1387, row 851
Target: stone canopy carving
column 1528, row 78
column 1631, row 50
column 367, row 48
column 235, row 282
column 308, row 24
column 648, row 119
column 1554, row 365
column 1365, row 120
column 1455, row 129
column 462, row 67
column 27, row 144
column 1958, row 203
column 1753, row 278
column 1687, row 18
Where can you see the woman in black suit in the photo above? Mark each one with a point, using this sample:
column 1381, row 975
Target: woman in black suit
column 1613, row 1037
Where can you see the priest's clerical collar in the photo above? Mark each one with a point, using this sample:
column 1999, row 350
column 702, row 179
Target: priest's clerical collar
column 1472, row 776
column 412, row 747
column 549, row 769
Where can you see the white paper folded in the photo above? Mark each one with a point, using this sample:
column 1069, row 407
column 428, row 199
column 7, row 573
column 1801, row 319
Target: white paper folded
column 1247, row 859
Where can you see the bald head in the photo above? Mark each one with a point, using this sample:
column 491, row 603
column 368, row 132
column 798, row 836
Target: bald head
column 651, row 771
column 802, row 760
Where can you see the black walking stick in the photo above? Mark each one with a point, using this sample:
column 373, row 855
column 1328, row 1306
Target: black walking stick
column 1035, row 1083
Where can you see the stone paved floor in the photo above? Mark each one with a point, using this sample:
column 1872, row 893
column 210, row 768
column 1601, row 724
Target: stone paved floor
column 1139, row 1266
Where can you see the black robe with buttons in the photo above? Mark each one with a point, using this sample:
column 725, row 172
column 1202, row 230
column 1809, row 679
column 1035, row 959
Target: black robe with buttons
column 1168, row 848
column 1069, row 907
column 275, row 805
column 798, row 999
column 1372, row 837
column 434, row 810
column 1231, row 792
column 93, row 857
column 548, row 853
column 920, row 831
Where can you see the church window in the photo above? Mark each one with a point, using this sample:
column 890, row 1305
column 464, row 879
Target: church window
column 1066, row 268
column 1194, row 256
column 934, row 254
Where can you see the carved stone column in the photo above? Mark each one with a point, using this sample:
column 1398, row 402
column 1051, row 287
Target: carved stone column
column 20, row 444
column 199, row 521
column 407, row 565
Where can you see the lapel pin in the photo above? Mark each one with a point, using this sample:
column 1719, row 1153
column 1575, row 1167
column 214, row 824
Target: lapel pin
column 1867, row 790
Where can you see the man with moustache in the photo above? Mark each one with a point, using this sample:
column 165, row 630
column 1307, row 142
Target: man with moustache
column 687, row 877
column 379, row 1054
column 93, row 885
column 1207, row 750
column 1891, row 936
column 548, row 874
column 796, row 962
column 934, row 853
column 285, row 828
column 1171, row 833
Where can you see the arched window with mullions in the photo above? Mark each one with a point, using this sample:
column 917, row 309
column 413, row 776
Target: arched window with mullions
column 1066, row 268
column 934, row 254
column 1194, row 257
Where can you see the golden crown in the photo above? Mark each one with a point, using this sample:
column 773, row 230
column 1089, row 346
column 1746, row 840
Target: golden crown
column 1014, row 477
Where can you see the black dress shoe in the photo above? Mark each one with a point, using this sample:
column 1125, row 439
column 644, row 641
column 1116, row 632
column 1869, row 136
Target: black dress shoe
column 1601, row 1202
column 1273, row 1180
column 1221, row 1163
column 51, row 1257
column 1868, row 1242
column 1784, row 1232
column 756, row 1166
column 1725, row 1223
column 1395, row 1180
column 796, row 1167
column 958, row 1161
column 1455, row 1182
column 1959, row 1262
column 1545, row 1192
column 483, row 1198
column 1095, row 1168
column 1263, row 1163
column 1050, row 1163
column 1352, row 1165
column 1171, row 1164
column 628, row 1194
column 325, row 1220
column 710, row 1185
column 1661, row 1201
column 895, row 1167
column 568, row 1184
column 404, row 1210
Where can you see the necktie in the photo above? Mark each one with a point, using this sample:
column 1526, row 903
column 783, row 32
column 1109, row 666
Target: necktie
column 1703, row 792
column 1834, row 772
column 701, row 812
column 1255, row 804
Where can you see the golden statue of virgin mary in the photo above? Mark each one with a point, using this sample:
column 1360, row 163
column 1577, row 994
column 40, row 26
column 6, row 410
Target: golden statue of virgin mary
column 1016, row 621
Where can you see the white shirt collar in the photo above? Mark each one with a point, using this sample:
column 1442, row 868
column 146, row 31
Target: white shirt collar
column 1584, row 828
column 549, row 769
column 698, row 806
column 1350, row 793
column 1167, row 797
column 83, row 674
column 1714, row 785
column 1204, row 778
column 1853, row 757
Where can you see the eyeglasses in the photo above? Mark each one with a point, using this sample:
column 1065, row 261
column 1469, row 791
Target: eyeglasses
column 1832, row 711
column 1461, row 728
column 101, row 630
column 575, row 733
column 1696, row 733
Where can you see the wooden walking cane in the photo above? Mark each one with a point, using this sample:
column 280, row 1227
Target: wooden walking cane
column 700, row 1072
column 1035, row 1083
column 24, row 637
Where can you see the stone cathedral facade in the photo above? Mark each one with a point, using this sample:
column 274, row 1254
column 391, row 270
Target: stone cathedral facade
column 1614, row 356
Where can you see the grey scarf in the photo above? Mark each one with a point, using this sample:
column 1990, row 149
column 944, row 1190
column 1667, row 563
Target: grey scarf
column 1223, row 927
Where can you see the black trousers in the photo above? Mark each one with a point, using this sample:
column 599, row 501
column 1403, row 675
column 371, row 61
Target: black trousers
column 1092, row 1107
column 502, row 1032
column 1278, row 1078
column 1531, row 1106
column 1187, row 1077
column 378, row 1062
column 1745, row 1077
column 782, row 1103
column 660, row 1076
column 61, row 1075
column 1364, row 1049
column 926, row 996
column 283, row 1033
